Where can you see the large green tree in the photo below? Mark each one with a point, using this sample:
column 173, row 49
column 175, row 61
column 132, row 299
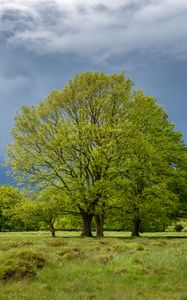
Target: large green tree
column 152, row 159
column 67, row 140
column 92, row 140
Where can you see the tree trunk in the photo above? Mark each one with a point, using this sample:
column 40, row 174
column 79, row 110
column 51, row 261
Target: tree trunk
column 87, row 223
column 52, row 229
column 99, row 221
column 136, row 227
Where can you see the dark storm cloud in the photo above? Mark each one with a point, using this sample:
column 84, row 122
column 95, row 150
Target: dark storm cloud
column 83, row 27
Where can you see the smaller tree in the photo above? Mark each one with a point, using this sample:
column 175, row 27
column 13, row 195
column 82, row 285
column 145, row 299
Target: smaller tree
column 151, row 157
column 46, row 207
column 9, row 198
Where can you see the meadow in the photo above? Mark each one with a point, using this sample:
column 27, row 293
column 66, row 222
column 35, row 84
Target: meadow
column 34, row 266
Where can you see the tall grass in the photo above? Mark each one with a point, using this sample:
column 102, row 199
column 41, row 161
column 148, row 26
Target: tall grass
column 116, row 267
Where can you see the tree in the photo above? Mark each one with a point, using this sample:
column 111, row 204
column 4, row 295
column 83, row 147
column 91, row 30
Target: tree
column 45, row 207
column 67, row 141
column 179, row 187
column 151, row 164
column 9, row 197
column 102, row 144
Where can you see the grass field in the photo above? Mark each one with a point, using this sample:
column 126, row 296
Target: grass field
column 34, row 266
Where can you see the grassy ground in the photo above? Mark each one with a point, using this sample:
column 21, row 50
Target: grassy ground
column 35, row 266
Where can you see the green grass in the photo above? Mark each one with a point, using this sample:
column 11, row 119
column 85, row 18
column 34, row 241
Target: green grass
column 116, row 267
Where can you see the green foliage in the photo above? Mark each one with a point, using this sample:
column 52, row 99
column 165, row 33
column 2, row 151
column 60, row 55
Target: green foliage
column 69, row 222
column 179, row 227
column 150, row 165
column 45, row 206
column 9, row 198
column 67, row 140
column 105, row 146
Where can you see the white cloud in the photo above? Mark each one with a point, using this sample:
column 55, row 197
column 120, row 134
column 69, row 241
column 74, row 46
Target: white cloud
column 95, row 28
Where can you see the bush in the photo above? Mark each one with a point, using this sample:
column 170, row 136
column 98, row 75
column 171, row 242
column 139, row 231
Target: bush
column 179, row 227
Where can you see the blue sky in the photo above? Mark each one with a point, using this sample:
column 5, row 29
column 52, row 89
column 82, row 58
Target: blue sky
column 44, row 43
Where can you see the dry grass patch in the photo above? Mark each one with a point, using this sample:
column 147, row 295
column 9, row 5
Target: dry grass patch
column 56, row 243
column 71, row 253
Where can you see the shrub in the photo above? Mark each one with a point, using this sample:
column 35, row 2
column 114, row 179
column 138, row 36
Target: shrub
column 179, row 227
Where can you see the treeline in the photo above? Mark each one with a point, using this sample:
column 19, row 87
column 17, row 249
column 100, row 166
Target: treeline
column 98, row 150
column 21, row 213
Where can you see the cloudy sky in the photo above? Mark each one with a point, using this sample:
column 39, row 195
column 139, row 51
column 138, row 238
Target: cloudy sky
column 43, row 43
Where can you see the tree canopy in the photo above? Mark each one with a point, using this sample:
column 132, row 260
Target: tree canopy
column 9, row 198
column 104, row 145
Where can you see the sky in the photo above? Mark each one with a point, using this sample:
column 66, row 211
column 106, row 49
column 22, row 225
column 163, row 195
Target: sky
column 44, row 43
